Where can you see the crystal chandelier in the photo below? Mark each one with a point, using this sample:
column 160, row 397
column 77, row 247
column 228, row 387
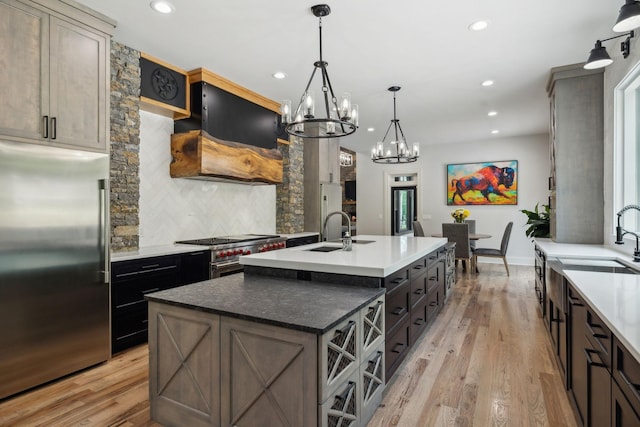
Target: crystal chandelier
column 398, row 151
column 333, row 120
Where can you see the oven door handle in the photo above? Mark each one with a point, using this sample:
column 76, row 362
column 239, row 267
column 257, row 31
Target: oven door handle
column 224, row 266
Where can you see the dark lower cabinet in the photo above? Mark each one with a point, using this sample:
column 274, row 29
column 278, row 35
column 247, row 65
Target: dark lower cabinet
column 303, row 240
column 558, row 320
column 131, row 280
column 622, row 413
column 414, row 296
column 598, row 388
column 625, row 410
column 577, row 319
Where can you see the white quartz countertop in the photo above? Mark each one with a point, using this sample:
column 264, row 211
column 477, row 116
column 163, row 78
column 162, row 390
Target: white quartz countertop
column 571, row 250
column 152, row 251
column 300, row 234
column 615, row 298
column 380, row 258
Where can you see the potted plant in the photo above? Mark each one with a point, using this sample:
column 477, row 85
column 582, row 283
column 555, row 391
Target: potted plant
column 538, row 222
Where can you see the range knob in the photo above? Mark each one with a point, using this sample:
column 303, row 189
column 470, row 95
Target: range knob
column 238, row 251
column 219, row 254
column 281, row 245
column 247, row 252
column 229, row 252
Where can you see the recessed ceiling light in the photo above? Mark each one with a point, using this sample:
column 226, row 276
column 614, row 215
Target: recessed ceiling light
column 370, row 129
column 487, row 83
column 279, row 75
column 495, row 131
column 479, row 25
column 492, row 113
column 162, row 6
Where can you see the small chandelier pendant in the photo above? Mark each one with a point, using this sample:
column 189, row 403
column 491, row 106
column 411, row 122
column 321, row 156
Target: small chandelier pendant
column 399, row 151
column 337, row 120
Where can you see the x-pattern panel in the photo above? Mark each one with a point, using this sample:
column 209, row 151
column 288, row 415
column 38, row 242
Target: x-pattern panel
column 264, row 382
column 178, row 362
column 372, row 324
column 341, row 351
column 372, row 377
column 343, row 411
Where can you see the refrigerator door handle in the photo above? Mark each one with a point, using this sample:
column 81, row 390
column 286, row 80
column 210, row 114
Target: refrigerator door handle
column 104, row 234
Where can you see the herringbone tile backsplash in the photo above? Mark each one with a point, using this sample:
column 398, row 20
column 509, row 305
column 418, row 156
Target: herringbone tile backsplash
column 176, row 208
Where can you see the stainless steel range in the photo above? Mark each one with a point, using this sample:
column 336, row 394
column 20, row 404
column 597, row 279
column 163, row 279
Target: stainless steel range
column 226, row 250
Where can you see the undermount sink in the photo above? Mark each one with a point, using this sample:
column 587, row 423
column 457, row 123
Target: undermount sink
column 596, row 265
column 325, row 249
column 354, row 241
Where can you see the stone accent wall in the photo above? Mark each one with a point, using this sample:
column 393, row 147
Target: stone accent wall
column 125, row 147
column 290, row 194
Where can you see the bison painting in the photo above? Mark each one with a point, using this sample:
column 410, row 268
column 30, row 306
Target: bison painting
column 476, row 187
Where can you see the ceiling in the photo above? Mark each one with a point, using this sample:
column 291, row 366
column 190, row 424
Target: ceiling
column 423, row 46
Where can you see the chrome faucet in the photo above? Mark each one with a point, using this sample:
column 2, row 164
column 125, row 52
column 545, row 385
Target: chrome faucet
column 620, row 232
column 346, row 240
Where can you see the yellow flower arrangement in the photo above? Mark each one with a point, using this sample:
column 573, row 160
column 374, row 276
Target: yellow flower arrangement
column 460, row 214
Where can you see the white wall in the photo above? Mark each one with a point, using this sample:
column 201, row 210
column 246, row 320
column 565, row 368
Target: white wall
column 532, row 153
column 176, row 208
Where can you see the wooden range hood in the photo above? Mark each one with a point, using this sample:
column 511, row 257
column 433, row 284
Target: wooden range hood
column 232, row 134
column 198, row 155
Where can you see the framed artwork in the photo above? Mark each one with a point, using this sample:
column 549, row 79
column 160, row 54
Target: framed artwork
column 486, row 183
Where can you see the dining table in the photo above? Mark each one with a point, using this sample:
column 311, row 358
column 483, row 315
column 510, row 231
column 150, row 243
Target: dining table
column 472, row 236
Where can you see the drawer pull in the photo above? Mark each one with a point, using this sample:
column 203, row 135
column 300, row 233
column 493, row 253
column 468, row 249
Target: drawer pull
column 419, row 322
column 591, row 328
column 45, row 126
column 54, row 126
column 349, row 327
column 150, row 266
column 398, row 348
column 399, row 311
column 575, row 302
column 419, row 291
column 343, row 396
column 433, row 303
column 418, row 267
column 587, row 353
column 150, row 290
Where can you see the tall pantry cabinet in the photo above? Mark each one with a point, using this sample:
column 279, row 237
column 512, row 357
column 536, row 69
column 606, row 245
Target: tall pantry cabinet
column 576, row 152
column 54, row 74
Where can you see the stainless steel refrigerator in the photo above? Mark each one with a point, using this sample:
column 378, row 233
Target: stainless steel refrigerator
column 54, row 280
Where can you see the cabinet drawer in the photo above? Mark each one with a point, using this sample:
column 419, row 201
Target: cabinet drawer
column 129, row 321
column 432, row 259
column 372, row 321
column 432, row 279
column 371, row 384
column 129, row 328
column 418, row 320
column 418, row 267
column 599, row 336
column 132, row 292
column 433, row 304
column 396, row 348
column 342, row 408
column 396, row 306
column 626, row 371
column 418, row 289
column 122, row 270
column 396, row 279
column 339, row 354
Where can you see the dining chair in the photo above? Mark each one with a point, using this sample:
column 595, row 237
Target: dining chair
column 472, row 230
column 459, row 233
column 496, row 253
column 418, row 231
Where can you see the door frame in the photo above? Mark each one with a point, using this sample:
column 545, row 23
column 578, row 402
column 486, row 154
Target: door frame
column 389, row 181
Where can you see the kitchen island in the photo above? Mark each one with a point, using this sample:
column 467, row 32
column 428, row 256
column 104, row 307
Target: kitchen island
column 256, row 351
column 280, row 345
column 411, row 269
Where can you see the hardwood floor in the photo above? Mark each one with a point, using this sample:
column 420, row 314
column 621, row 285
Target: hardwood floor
column 485, row 361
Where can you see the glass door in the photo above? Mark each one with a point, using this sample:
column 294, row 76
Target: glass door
column 403, row 210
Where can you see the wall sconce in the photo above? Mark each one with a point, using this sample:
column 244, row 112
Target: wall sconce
column 599, row 57
column 629, row 17
column 346, row 159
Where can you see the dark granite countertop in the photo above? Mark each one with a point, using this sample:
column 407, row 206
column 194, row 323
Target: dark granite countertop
column 295, row 304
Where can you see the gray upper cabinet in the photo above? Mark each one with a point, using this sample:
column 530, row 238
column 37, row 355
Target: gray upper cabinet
column 54, row 74
column 577, row 152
